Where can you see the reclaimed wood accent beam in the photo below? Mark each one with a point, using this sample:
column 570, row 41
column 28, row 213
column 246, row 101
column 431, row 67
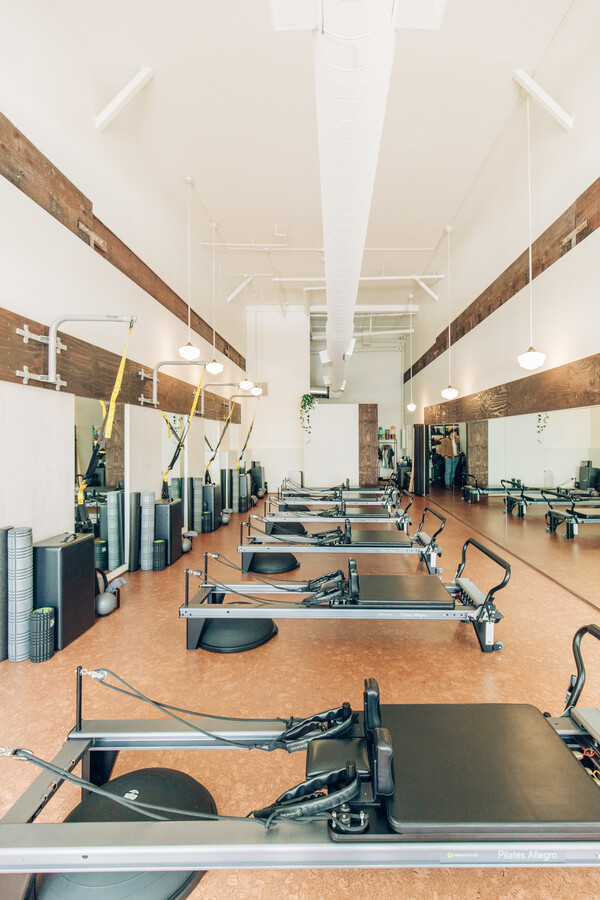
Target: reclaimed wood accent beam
column 575, row 224
column 131, row 265
column 564, row 387
column 28, row 169
column 24, row 166
column 368, row 462
column 90, row 371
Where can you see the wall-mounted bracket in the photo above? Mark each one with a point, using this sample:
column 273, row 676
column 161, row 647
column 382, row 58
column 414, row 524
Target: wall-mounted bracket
column 146, row 400
column 42, row 338
column 28, row 376
column 144, row 374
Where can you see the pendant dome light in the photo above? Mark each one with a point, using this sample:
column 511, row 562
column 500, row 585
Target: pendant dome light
column 246, row 384
column 189, row 351
column 531, row 359
column 450, row 392
column 214, row 367
column 411, row 407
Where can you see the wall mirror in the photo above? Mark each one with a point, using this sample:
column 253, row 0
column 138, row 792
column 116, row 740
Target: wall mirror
column 104, row 496
column 542, row 450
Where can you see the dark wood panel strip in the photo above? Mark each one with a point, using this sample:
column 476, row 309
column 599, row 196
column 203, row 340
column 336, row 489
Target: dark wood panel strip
column 90, row 371
column 29, row 170
column 368, row 468
column 546, row 250
column 564, row 387
column 131, row 265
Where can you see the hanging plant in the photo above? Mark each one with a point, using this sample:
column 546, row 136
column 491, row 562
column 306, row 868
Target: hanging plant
column 542, row 422
column 307, row 404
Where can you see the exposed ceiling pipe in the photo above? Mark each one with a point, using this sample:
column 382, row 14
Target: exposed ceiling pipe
column 417, row 278
column 321, row 335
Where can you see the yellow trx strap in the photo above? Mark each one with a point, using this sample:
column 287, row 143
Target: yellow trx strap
column 241, row 456
column 84, row 484
column 185, row 431
column 225, row 427
column 117, row 388
column 168, row 425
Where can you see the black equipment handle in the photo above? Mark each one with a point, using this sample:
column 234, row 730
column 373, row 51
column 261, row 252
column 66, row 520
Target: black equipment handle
column 466, row 476
column 434, row 513
column 509, row 484
column 548, row 493
column 411, row 498
column 491, row 555
column 576, row 686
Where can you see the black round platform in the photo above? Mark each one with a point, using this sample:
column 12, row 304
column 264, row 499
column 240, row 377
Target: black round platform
column 165, row 787
column 273, row 563
column 289, row 528
column 236, row 635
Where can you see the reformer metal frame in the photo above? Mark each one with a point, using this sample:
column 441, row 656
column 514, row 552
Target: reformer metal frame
column 472, row 492
column 338, row 512
column 421, row 543
column 550, row 497
column 471, row 604
column 571, row 519
column 26, row 847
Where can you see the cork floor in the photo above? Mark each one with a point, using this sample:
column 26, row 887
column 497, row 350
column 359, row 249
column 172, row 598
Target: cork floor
column 310, row 665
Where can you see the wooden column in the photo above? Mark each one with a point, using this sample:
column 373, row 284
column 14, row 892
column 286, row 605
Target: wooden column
column 477, row 451
column 368, row 469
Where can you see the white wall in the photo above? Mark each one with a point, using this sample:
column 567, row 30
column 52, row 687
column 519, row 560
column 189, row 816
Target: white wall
column 278, row 353
column 37, row 459
column 540, row 453
column 490, row 232
column 331, row 450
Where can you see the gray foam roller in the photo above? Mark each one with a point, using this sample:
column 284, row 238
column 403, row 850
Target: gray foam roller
column 20, row 592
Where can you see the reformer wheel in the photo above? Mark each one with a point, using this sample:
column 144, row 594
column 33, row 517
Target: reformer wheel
column 498, row 645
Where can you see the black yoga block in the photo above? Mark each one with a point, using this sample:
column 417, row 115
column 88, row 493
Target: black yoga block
column 64, row 577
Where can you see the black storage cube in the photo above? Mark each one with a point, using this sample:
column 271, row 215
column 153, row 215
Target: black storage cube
column 211, row 503
column 64, row 578
column 168, row 525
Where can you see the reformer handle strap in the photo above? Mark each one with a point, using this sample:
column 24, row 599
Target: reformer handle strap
column 305, row 799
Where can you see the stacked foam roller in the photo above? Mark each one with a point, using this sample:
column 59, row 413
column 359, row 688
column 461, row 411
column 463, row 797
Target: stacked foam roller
column 115, row 531
column 198, row 506
column 147, row 531
column 20, row 592
column 235, row 490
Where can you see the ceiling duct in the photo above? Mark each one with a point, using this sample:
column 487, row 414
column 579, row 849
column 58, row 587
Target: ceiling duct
column 354, row 52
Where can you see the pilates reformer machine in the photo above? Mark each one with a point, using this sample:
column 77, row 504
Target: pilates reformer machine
column 472, row 491
column 343, row 540
column 279, row 512
column 336, row 596
column 517, row 500
column 290, row 490
column 504, row 785
column 573, row 517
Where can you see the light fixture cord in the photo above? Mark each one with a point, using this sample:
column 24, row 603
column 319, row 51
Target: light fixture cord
column 411, row 356
column 189, row 258
column 449, row 312
column 529, row 217
column 214, row 292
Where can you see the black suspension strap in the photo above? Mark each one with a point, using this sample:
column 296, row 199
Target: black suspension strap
column 180, row 443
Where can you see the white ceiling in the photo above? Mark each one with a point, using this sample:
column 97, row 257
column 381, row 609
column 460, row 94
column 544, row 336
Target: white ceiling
column 232, row 102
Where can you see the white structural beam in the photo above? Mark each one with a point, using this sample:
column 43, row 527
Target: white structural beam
column 426, row 288
column 239, row 288
column 364, row 310
column 542, row 97
column 124, row 97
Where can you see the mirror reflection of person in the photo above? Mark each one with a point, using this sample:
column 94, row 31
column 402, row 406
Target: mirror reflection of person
column 450, row 450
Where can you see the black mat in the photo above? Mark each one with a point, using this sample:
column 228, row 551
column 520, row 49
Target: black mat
column 404, row 592
column 377, row 536
column 134, row 531
column 486, row 771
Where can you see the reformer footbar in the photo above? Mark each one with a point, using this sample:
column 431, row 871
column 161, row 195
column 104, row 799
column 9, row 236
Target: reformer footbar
column 334, row 595
column 369, row 797
column 344, row 540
